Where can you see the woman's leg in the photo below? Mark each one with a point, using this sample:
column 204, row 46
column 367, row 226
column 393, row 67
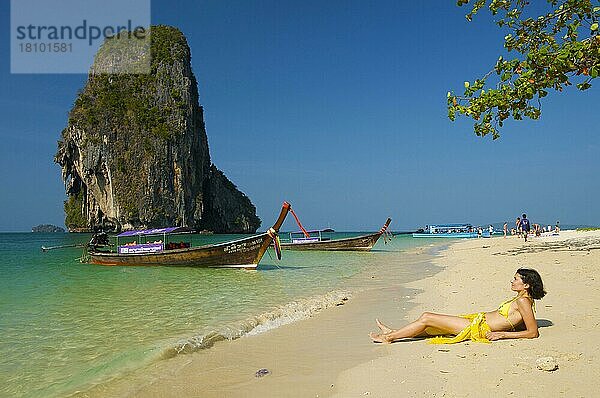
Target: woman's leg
column 429, row 331
column 444, row 323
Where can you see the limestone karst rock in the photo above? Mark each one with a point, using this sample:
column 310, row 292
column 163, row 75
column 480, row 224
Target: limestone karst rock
column 135, row 152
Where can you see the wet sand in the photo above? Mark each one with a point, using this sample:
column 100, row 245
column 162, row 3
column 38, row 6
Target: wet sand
column 303, row 358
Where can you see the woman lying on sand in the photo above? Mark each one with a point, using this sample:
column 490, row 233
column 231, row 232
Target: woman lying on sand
column 514, row 319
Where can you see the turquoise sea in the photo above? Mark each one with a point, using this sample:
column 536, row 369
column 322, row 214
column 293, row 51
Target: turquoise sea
column 67, row 326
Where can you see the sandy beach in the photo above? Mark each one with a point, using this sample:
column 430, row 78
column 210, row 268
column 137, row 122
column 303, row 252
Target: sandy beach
column 330, row 354
column 476, row 277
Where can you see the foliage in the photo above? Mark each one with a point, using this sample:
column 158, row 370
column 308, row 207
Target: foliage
column 132, row 101
column 553, row 51
column 74, row 211
column 168, row 45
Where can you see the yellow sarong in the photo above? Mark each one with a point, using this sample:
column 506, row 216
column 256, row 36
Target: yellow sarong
column 476, row 331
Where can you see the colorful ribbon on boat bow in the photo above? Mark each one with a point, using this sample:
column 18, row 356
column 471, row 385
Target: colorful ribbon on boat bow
column 277, row 245
column 276, row 242
column 387, row 235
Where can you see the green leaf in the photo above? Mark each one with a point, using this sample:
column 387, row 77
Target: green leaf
column 451, row 114
column 594, row 26
column 584, row 86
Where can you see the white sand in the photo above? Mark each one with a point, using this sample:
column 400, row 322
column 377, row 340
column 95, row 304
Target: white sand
column 476, row 277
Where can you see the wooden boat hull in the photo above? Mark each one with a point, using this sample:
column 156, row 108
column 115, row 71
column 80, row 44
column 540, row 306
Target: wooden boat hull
column 241, row 253
column 359, row 243
column 244, row 253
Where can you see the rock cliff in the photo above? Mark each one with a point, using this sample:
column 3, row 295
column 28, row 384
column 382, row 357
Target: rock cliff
column 135, row 151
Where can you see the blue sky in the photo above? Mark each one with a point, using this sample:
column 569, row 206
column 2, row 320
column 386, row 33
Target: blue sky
column 340, row 108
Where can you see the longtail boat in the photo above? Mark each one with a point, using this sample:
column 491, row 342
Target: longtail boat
column 320, row 242
column 240, row 253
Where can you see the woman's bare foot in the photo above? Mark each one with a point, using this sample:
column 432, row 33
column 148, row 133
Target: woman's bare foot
column 379, row 338
column 383, row 328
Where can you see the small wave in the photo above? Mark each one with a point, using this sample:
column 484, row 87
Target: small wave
column 289, row 313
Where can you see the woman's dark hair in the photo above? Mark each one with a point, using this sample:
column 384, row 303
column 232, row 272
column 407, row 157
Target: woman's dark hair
column 534, row 280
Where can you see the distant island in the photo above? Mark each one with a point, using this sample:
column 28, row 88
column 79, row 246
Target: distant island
column 47, row 228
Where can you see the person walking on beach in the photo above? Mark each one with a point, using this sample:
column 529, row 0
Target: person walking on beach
column 491, row 230
column 525, row 226
column 505, row 229
column 518, row 226
column 514, row 319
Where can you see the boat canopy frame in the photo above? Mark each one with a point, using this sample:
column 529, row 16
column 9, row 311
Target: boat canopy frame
column 143, row 234
column 310, row 238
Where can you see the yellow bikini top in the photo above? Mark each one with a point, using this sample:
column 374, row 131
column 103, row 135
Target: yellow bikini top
column 505, row 307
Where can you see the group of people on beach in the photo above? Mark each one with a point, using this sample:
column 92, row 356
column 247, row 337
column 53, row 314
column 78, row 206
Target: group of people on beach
column 480, row 231
column 523, row 228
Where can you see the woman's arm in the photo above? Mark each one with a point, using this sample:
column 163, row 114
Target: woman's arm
column 531, row 327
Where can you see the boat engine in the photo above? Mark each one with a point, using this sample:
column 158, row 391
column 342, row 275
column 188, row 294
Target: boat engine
column 99, row 240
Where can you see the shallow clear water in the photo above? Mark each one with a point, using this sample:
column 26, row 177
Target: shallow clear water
column 66, row 325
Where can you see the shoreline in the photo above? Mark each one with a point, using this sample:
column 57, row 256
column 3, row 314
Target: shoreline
column 298, row 355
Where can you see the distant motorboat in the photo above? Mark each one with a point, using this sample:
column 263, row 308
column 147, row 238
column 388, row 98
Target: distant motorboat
column 447, row 231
